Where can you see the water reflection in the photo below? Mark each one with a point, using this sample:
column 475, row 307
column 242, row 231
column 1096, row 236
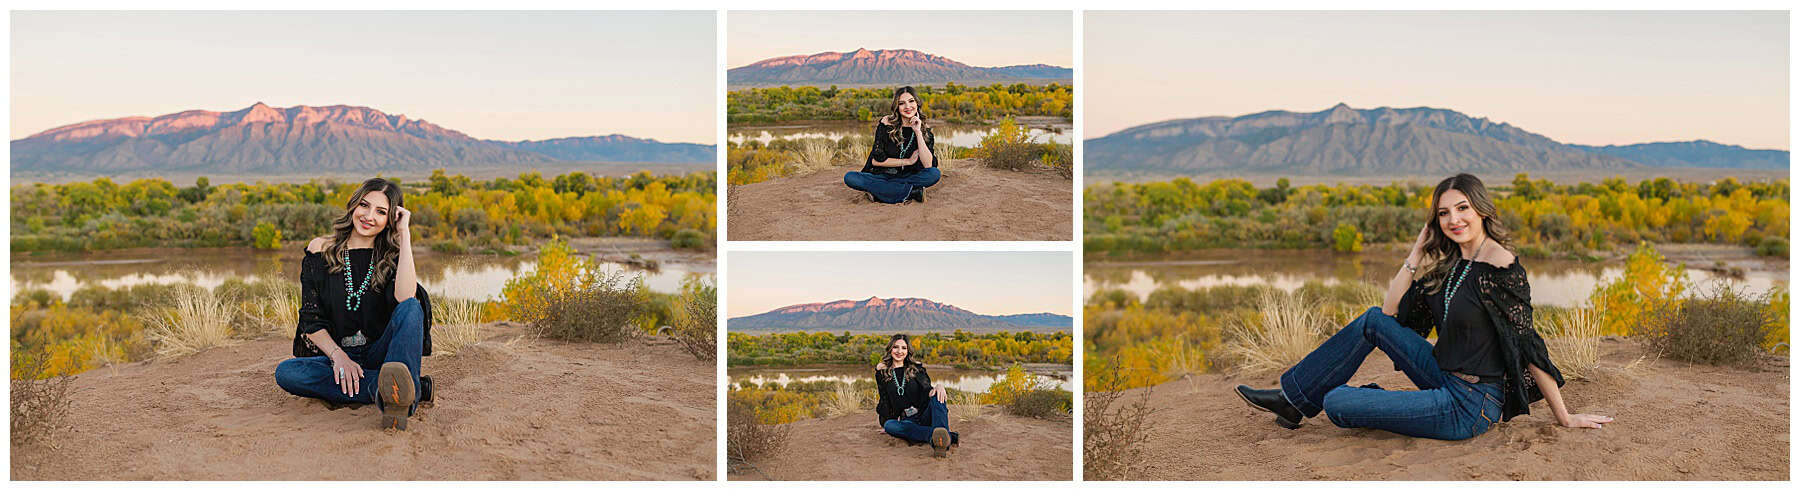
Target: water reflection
column 960, row 135
column 448, row 276
column 957, row 379
column 1553, row 282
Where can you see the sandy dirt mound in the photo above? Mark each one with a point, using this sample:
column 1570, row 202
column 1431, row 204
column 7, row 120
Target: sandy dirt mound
column 995, row 447
column 1675, row 421
column 971, row 202
column 510, row 407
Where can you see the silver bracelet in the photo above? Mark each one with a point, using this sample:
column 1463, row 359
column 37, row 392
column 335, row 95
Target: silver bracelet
column 1410, row 269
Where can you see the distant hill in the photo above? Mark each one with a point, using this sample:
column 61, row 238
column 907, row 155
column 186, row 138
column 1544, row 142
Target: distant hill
column 616, row 148
column 265, row 140
column 1697, row 153
column 891, row 315
column 884, row 67
column 1346, row 141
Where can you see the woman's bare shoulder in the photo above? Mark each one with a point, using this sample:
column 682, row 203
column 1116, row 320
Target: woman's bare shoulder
column 317, row 244
column 1498, row 257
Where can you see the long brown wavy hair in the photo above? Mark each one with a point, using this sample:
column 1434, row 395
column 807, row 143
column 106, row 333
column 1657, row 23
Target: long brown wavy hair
column 887, row 359
column 1440, row 252
column 387, row 245
column 896, row 122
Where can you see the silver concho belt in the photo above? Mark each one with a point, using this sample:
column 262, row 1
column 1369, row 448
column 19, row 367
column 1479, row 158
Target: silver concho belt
column 353, row 340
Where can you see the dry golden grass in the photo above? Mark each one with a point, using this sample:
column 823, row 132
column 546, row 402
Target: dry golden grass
column 1574, row 341
column 814, row 155
column 193, row 320
column 846, row 400
column 278, row 310
column 1283, row 331
column 457, row 324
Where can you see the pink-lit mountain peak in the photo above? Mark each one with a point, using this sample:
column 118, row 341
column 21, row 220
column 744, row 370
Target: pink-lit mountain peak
column 862, row 56
column 871, row 303
column 256, row 114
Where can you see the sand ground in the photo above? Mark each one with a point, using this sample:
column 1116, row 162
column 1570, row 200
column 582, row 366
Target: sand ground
column 970, row 202
column 1675, row 421
column 995, row 447
column 511, row 407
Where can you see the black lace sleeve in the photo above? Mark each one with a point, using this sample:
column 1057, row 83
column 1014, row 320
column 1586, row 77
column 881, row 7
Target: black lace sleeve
column 313, row 316
column 884, row 404
column 931, row 144
column 425, row 305
column 1415, row 312
column 1506, row 294
column 879, row 147
column 1511, row 294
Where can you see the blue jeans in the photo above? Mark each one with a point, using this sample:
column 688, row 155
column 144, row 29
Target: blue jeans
column 1445, row 407
column 918, row 427
column 401, row 341
column 891, row 188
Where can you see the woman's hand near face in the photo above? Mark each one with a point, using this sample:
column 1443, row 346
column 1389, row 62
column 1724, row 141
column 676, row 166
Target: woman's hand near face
column 1418, row 245
column 403, row 224
column 406, row 278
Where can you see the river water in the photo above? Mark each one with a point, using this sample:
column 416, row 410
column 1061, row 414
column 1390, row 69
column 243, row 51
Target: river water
column 470, row 277
column 973, row 381
column 1553, row 282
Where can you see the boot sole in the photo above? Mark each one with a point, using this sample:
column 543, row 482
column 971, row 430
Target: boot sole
column 1280, row 421
column 396, row 392
column 940, row 442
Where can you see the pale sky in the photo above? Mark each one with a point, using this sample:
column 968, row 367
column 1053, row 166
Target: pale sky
column 1576, row 77
column 492, row 75
column 986, row 39
column 990, row 283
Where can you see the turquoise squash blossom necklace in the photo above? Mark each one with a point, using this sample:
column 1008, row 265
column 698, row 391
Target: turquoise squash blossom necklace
column 1451, row 292
column 899, row 390
column 353, row 294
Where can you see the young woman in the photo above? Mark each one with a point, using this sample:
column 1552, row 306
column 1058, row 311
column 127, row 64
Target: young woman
column 364, row 320
column 1489, row 363
column 901, row 163
column 909, row 407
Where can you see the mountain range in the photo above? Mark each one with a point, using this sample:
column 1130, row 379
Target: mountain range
column 1407, row 141
column 305, row 139
column 884, row 67
column 893, row 315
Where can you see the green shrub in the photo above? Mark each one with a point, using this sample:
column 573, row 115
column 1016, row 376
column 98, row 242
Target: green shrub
column 265, row 236
column 1113, row 430
column 688, row 238
column 601, row 308
column 1041, row 403
column 1720, row 327
column 1346, row 239
column 746, row 439
column 39, row 403
column 1772, row 246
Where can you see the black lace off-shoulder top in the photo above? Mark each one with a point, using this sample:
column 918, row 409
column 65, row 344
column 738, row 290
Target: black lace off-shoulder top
column 323, row 304
column 891, row 402
column 886, row 148
column 1505, row 296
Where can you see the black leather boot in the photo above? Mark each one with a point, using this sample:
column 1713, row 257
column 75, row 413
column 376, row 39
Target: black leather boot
column 1272, row 401
column 917, row 194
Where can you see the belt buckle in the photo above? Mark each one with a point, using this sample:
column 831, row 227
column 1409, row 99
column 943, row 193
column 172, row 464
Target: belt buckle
column 1467, row 378
column 353, row 340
